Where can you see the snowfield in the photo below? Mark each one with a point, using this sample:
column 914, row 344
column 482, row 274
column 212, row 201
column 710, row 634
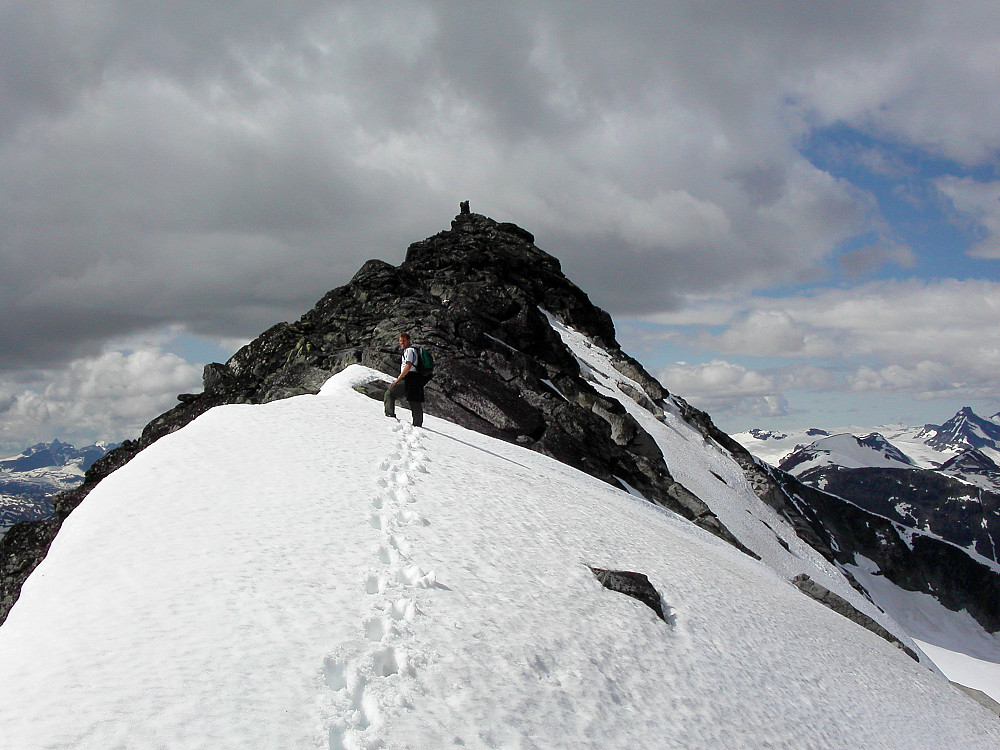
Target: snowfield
column 310, row 574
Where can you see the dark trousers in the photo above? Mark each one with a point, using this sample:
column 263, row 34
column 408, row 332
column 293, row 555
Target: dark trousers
column 400, row 390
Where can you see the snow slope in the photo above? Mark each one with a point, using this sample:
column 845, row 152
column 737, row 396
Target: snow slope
column 848, row 451
column 710, row 472
column 957, row 643
column 307, row 573
column 912, row 441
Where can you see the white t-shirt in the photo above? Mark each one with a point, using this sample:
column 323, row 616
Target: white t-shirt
column 409, row 355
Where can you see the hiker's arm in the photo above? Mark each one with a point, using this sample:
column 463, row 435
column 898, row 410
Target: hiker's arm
column 406, row 368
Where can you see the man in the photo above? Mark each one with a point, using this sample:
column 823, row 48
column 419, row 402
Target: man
column 409, row 384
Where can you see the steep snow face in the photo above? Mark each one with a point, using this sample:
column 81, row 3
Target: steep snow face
column 954, row 640
column 711, row 473
column 848, row 451
column 308, row 573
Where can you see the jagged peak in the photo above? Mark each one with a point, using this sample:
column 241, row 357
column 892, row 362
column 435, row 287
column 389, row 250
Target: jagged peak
column 480, row 245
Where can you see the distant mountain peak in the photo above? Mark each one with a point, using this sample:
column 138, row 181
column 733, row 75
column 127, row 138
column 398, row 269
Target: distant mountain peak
column 846, row 450
column 965, row 430
column 972, row 460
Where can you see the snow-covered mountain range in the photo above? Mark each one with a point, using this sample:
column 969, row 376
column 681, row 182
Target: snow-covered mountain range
column 29, row 479
column 567, row 556
column 930, row 485
column 940, row 479
column 925, row 446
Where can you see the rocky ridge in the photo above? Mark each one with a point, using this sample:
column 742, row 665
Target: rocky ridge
column 476, row 295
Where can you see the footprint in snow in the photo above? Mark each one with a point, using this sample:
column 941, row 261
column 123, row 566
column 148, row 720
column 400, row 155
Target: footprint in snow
column 403, row 610
column 386, row 661
column 359, row 713
column 356, row 681
column 335, row 673
column 376, row 584
column 399, row 544
column 413, row 575
column 376, row 628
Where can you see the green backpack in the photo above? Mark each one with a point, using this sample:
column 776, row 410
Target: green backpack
column 425, row 363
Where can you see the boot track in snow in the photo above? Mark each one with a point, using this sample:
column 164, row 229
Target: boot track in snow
column 367, row 684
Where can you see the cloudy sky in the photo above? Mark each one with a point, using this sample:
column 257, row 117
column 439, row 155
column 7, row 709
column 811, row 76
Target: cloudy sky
column 791, row 209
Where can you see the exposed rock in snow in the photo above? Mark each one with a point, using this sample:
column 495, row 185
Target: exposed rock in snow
column 632, row 584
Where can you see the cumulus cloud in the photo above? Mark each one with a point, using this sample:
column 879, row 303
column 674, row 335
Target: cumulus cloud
column 909, row 82
column 222, row 165
column 726, row 389
column 729, row 390
column 926, row 378
column 864, row 261
column 932, row 339
column 219, row 166
column 107, row 397
column 978, row 207
column 717, row 378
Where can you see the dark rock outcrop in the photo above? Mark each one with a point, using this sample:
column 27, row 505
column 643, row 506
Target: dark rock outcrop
column 920, row 499
column 632, row 584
